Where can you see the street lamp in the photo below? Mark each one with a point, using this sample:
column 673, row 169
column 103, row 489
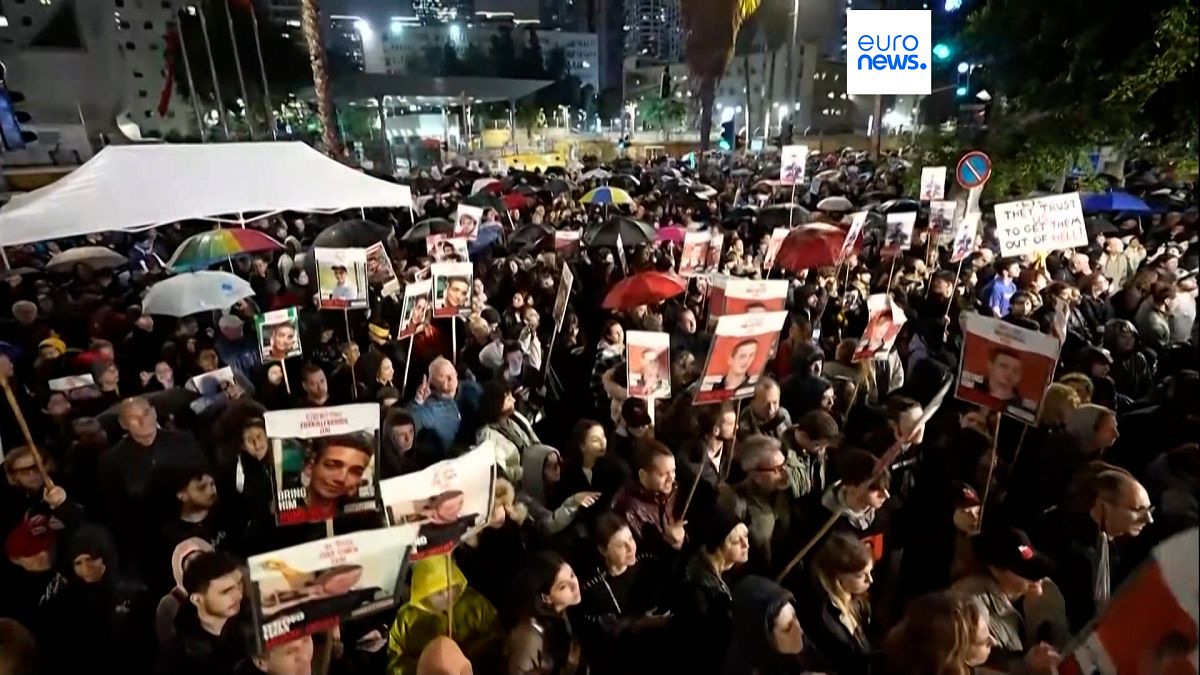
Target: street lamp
column 963, row 67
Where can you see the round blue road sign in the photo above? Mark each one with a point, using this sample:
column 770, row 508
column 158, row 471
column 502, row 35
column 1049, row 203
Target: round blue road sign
column 974, row 169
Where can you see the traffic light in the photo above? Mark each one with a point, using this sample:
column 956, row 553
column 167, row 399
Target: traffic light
column 942, row 51
column 728, row 135
column 960, row 91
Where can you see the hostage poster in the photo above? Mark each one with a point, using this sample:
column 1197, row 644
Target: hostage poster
column 324, row 461
column 741, row 346
column 1005, row 367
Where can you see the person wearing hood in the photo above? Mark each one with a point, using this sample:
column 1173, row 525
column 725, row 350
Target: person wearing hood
column 509, row 432
column 702, row 602
column 169, row 604
column 210, row 635
column 1132, row 366
column 807, row 393
column 100, row 619
column 237, row 350
column 373, row 372
column 542, row 470
column 438, row 588
column 397, row 455
column 806, row 451
column 542, row 642
column 767, row 638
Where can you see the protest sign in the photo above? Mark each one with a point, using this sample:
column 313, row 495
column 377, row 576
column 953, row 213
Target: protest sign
column 449, row 500
column 743, row 296
column 76, row 387
column 1005, row 367
column 324, row 461
column 305, row 589
column 1150, row 625
column 452, row 285
column 278, row 334
column 562, row 296
column 380, row 272
column 694, row 258
column 715, row 242
column 792, row 161
column 898, row 235
column 466, row 221
column 964, row 236
column 1043, row 224
column 212, row 382
column 567, row 243
column 741, row 346
column 447, row 249
column 942, row 221
column 857, row 222
column 773, row 246
column 341, row 278
column 648, row 364
column 885, row 320
column 933, row 183
column 415, row 311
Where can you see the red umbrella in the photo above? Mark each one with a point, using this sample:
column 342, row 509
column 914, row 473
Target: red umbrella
column 646, row 288
column 515, row 200
column 495, row 188
column 811, row 245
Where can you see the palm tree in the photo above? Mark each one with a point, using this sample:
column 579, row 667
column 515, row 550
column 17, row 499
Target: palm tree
column 710, row 30
column 310, row 19
column 773, row 22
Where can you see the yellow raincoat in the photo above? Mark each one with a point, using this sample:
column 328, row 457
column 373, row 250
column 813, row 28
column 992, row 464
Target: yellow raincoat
column 476, row 626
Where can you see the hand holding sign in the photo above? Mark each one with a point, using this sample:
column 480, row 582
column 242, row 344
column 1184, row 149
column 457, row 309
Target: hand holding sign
column 1042, row 224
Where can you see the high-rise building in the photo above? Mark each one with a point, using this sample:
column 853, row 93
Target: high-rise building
column 652, row 29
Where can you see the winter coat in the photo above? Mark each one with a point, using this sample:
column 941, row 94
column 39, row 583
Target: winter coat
column 756, row 603
column 543, row 645
column 510, row 438
column 703, row 608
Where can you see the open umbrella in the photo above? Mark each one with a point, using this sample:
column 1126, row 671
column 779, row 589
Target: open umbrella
column 606, row 195
column 351, row 234
column 836, row 204
column 559, row 186
column 783, row 215
column 900, row 206
column 673, row 233
column 484, row 183
column 201, row 250
column 596, row 174
column 1114, row 200
column 744, row 212
column 197, row 292
column 1098, row 225
column 485, row 200
column 646, row 288
column 625, row 182
column 515, row 200
column 766, row 186
column 556, row 171
column 809, row 246
column 632, row 232
column 529, row 236
column 97, row 257
column 427, row 227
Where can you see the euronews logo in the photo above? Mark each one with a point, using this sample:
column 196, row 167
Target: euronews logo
column 888, row 52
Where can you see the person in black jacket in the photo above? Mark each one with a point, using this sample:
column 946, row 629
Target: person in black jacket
column 209, row 635
column 767, row 636
column 837, row 614
column 246, row 491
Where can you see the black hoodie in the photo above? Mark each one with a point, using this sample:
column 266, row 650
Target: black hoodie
column 756, row 603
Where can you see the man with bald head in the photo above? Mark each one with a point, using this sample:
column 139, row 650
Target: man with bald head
column 444, row 405
column 765, row 416
column 126, row 472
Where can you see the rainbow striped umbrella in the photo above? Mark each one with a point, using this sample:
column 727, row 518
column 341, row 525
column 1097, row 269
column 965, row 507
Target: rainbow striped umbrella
column 199, row 251
column 606, row 195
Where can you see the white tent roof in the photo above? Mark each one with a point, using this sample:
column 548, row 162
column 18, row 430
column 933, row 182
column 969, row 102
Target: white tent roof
column 132, row 187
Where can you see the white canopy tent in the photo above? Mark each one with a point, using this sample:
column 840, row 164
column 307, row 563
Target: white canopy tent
column 133, row 187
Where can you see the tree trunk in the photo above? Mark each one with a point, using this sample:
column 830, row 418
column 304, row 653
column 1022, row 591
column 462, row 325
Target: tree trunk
column 311, row 22
column 749, row 113
column 708, row 92
column 770, row 100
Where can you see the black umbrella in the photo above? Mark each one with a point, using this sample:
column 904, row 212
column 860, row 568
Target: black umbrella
column 632, row 232
column 783, row 215
column 525, row 190
column 624, row 181
column 520, row 177
column 1098, row 225
column 875, row 197
column 744, row 212
column 427, row 227
column 900, row 206
column 422, row 184
column 486, row 200
column 529, row 236
column 462, row 173
column 351, row 234
column 556, row 171
column 559, row 186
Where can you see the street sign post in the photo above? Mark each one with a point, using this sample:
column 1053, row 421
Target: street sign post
column 973, row 170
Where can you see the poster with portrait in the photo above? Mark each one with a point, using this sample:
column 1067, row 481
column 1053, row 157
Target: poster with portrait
column 211, row 383
column 76, row 387
column 885, row 318
column 741, row 346
column 648, row 364
column 416, row 309
column 562, row 296
column 380, row 272
column 693, row 260
column 792, row 159
column 942, row 220
column 1005, row 367
column 278, row 334
column 341, row 278
column 899, row 233
column 567, row 243
column 466, row 221
column 857, row 222
column 715, row 243
column 452, row 285
column 448, row 501
column 447, row 249
column 964, row 236
column 323, row 461
column 933, row 183
column 311, row 587
column 773, row 246
column 745, row 296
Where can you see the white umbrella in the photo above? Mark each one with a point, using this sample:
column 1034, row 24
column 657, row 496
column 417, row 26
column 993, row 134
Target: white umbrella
column 835, row 204
column 598, row 174
column 188, row 294
column 704, row 191
column 481, row 183
column 98, row 257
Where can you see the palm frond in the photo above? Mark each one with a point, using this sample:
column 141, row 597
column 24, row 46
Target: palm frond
column 710, row 32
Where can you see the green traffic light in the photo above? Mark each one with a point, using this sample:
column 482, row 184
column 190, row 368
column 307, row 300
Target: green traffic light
column 941, row 51
column 961, row 91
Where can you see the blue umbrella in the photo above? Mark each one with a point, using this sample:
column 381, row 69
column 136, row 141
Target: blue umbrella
column 488, row 234
column 1114, row 200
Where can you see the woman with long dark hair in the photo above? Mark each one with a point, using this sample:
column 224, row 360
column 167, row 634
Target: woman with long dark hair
column 837, row 613
column 588, row 467
column 542, row 642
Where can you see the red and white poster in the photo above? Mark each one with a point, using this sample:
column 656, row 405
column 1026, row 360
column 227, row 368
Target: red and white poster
column 735, row 295
column 857, row 222
column 885, row 319
column 452, row 286
column 648, row 364
column 415, row 311
column 773, row 246
column 694, row 258
column 567, row 243
column 1005, row 367
column 715, row 243
column 741, row 346
column 1150, row 625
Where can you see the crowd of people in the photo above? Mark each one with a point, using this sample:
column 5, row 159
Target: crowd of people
column 767, row 536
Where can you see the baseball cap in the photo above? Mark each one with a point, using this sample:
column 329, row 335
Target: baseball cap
column 30, row 537
column 964, row 496
column 54, row 342
column 1010, row 549
column 635, row 413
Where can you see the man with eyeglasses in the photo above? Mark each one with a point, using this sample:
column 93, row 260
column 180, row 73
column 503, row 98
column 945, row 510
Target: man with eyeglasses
column 764, row 490
column 1087, row 546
